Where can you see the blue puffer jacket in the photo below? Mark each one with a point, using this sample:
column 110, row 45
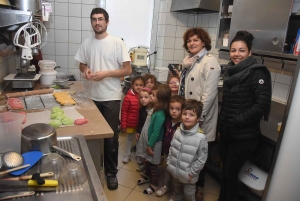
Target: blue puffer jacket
column 188, row 154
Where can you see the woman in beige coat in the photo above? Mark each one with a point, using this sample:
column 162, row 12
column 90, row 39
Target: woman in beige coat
column 199, row 80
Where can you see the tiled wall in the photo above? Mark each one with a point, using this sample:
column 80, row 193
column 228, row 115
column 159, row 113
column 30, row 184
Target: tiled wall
column 170, row 29
column 68, row 25
column 7, row 66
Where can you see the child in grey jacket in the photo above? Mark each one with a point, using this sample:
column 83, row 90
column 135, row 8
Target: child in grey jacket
column 188, row 152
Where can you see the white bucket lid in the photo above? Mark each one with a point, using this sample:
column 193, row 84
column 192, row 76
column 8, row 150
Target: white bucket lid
column 253, row 176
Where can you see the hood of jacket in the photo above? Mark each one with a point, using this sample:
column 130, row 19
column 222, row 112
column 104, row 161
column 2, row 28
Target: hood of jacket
column 192, row 131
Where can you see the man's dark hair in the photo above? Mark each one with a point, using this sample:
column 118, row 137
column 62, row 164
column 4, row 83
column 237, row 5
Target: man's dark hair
column 100, row 11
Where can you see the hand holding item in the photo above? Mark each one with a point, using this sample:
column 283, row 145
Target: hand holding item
column 137, row 136
column 99, row 75
column 150, row 151
column 87, row 73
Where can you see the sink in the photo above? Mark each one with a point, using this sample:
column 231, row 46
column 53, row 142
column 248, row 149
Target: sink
column 69, row 76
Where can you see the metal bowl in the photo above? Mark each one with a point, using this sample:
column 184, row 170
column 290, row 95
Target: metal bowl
column 61, row 82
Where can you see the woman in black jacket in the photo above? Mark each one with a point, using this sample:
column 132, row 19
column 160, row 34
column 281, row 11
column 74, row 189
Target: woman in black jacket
column 246, row 101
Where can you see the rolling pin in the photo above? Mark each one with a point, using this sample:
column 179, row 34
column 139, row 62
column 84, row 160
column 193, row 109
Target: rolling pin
column 29, row 93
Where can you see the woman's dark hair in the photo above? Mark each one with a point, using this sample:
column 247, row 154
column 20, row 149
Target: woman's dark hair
column 201, row 33
column 138, row 78
column 100, row 11
column 244, row 36
column 193, row 105
column 163, row 94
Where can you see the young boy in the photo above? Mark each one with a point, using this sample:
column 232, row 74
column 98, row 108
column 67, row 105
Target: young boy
column 172, row 124
column 188, row 152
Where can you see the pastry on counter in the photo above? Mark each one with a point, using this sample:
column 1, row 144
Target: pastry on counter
column 64, row 98
column 15, row 104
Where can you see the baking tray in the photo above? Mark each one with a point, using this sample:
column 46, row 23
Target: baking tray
column 90, row 190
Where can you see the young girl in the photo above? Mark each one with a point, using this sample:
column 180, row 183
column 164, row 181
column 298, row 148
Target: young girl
column 130, row 113
column 173, row 83
column 150, row 80
column 152, row 135
column 147, row 107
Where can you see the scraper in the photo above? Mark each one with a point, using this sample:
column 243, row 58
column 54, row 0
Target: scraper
column 31, row 158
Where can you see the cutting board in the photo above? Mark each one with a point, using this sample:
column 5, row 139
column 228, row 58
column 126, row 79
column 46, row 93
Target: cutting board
column 44, row 117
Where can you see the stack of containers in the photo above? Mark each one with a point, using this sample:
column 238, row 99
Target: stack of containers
column 47, row 71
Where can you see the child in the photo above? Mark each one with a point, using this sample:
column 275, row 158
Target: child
column 173, row 83
column 144, row 110
column 150, row 80
column 172, row 124
column 130, row 113
column 152, row 135
column 188, row 152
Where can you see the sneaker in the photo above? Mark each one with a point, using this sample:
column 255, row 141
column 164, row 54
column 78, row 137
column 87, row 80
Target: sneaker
column 140, row 168
column 163, row 190
column 126, row 158
column 133, row 149
column 112, row 182
column 199, row 194
column 173, row 197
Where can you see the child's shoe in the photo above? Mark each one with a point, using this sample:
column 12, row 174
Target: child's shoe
column 163, row 190
column 150, row 190
column 199, row 194
column 173, row 197
column 126, row 159
column 140, row 168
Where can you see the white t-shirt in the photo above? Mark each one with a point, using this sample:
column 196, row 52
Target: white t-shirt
column 108, row 53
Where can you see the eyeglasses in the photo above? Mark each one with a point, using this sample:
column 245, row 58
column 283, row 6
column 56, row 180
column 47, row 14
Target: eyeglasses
column 100, row 19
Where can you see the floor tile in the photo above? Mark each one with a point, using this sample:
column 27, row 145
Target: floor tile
column 120, row 194
column 166, row 197
column 139, row 196
column 211, row 185
column 122, row 148
column 120, row 163
column 128, row 178
column 122, row 137
column 210, row 197
column 131, row 165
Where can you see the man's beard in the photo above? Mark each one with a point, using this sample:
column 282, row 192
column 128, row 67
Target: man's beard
column 100, row 32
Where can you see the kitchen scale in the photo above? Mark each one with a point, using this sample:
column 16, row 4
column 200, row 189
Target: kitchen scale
column 22, row 80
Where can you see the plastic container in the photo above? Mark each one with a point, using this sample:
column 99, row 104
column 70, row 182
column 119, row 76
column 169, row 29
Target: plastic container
column 46, row 65
column 48, row 77
column 10, row 131
column 161, row 73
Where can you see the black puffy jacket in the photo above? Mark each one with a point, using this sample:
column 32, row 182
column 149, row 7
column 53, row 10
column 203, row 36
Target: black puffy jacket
column 246, row 100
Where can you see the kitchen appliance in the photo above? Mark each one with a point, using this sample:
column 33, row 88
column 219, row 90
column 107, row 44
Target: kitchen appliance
column 139, row 59
column 196, row 6
column 35, row 6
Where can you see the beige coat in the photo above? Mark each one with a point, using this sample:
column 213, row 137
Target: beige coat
column 201, row 83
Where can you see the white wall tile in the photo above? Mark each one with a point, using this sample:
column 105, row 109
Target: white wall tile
column 178, row 43
column 180, row 31
column 73, row 48
column 75, row 23
column 62, row 61
column 158, row 63
column 61, row 9
column 49, row 48
column 61, row 0
column 179, row 54
column 161, row 30
column 182, row 19
column 169, row 3
column 88, row 1
column 86, row 24
column 74, row 36
column 280, row 92
column 75, row 10
column 160, row 42
column 50, row 35
column 170, row 30
column 199, row 20
column 61, row 36
column 168, row 54
column 73, row 63
column 212, row 33
column 62, row 70
column 163, row 6
column 61, row 49
column 171, row 18
column 165, row 63
column 169, row 42
column 162, row 18
column 86, row 10
column 61, row 22
column 160, row 53
column 76, row 72
column 204, row 21
column 273, row 75
column 75, row 1
column 86, row 34
column 213, row 20
column 296, row 7
column 191, row 20
column 283, row 79
column 49, row 57
column 50, row 23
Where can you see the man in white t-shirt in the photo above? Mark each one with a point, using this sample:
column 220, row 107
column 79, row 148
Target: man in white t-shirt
column 103, row 60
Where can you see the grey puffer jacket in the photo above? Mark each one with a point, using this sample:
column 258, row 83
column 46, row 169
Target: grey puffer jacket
column 188, row 154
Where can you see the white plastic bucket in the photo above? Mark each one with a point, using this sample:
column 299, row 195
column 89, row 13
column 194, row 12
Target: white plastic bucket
column 48, row 77
column 161, row 73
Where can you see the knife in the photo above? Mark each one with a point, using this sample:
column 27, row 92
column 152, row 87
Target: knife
column 9, row 195
column 12, row 183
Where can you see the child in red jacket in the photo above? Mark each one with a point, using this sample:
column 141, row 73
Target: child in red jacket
column 130, row 113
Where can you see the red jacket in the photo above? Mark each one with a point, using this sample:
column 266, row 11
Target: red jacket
column 130, row 110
